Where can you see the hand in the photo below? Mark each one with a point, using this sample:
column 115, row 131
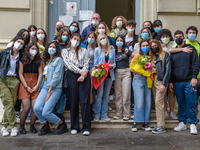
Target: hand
column 80, row 79
column 34, row 89
column 111, row 47
column 162, row 89
column 126, row 51
column 171, row 87
column 110, row 66
column 48, row 95
column 29, row 89
column 187, row 49
column 84, row 73
column 193, row 82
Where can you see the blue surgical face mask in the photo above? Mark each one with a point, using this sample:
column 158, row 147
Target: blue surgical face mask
column 64, row 38
column 144, row 36
column 145, row 49
column 90, row 40
column 51, row 51
column 73, row 29
column 191, row 37
column 157, row 29
column 119, row 44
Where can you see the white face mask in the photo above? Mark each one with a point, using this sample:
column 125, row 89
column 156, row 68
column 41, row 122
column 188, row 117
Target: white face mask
column 119, row 24
column 103, row 42
column 101, row 31
column 18, row 46
column 40, row 37
column 32, row 33
column 165, row 40
column 130, row 30
column 74, row 43
column 33, row 52
column 95, row 22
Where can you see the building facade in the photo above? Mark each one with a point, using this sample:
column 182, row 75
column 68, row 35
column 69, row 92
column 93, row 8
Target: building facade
column 17, row 14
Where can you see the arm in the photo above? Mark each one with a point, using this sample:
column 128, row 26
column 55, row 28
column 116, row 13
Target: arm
column 114, row 62
column 35, row 88
column 167, row 74
column 86, row 61
column 195, row 68
column 57, row 75
column 68, row 64
column 185, row 49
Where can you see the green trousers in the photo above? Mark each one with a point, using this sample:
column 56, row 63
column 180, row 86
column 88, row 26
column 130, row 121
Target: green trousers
column 8, row 94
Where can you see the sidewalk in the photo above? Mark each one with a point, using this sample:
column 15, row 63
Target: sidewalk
column 104, row 139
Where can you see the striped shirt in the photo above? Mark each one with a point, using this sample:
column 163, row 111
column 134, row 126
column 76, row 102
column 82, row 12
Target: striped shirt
column 72, row 63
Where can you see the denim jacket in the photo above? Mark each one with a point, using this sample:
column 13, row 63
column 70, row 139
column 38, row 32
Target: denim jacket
column 101, row 59
column 55, row 73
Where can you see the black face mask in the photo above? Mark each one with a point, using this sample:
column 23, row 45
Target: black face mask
column 179, row 41
column 155, row 50
column 25, row 38
column 149, row 28
column 58, row 28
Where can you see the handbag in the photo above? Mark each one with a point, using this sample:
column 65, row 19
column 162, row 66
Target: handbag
column 65, row 84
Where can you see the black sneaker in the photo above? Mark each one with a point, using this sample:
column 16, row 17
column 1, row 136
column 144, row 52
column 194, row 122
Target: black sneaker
column 159, row 130
column 67, row 107
column 134, row 127
column 62, row 128
column 146, row 127
column 45, row 129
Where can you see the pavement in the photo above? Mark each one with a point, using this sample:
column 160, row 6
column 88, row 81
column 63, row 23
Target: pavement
column 104, row 139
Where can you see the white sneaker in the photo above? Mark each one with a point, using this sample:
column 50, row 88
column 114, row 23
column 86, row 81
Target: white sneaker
column 181, row 126
column 166, row 115
column 73, row 131
column 173, row 115
column 14, row 132
column 106, row 119
column 193, row 129
column 4, row 132
column 86, row 133
column 125, row 118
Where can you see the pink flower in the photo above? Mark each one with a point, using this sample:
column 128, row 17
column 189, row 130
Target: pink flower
column 149, row 69
column 147, row 65
column 96, row 70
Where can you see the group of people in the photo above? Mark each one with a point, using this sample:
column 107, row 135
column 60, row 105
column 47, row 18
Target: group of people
column 33, row 71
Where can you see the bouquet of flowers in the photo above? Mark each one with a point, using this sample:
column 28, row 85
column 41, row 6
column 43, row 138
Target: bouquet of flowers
column 99, row 73
column 143, row 65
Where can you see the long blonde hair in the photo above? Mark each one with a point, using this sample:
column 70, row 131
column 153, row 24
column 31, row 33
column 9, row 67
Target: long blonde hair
column 99, row 43
column 140, row 38
column 124, row 21
column 107, row 31
column 161, row 52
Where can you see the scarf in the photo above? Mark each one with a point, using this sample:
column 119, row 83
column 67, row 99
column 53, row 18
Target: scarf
column 41, row 48
column 118, row 32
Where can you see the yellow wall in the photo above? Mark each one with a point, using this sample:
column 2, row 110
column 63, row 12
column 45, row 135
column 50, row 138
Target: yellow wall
column 18, row 14
column 175, row 14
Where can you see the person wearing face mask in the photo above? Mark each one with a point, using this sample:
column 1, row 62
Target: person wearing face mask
column 149, row 25
column 94, row 23
column 118, row 27
column 51, row 90
column 165, row 36
column 90, row 46
column 76, row 63
column 102, row 28
column 9, row 66
column 144, row 34
column 59, row 25
column 63, row 38
column 31, row 30
column 162, row 63
column 122, row 80
column 41, row 40
column 30, row 74
column 103, row 53
column 142, row 94
column 183, row 82
column 74, row 28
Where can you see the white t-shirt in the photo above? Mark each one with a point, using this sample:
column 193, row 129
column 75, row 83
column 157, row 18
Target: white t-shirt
column 129, row 42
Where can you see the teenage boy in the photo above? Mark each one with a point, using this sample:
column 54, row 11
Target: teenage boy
column 185, row 68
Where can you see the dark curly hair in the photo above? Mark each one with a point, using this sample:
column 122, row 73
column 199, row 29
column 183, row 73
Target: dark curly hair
column 164, row 32
column 46, row 55
column 124, row 44
column 192, row 28
column 26, row 57
column 19, row 34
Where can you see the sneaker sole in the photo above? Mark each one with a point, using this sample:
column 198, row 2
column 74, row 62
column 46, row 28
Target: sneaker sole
column 5, row 135
column 158, row 132
column 14, row 135
column 193, row 133
column 134, row 130
column 146, row 130
column 180, row 130
column 65, row 130
column 43, row 133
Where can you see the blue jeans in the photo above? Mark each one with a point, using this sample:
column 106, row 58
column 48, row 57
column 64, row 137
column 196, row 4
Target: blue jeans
column 187, row 101
column 101, row 104
column 44, row 111
column 142, row 99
